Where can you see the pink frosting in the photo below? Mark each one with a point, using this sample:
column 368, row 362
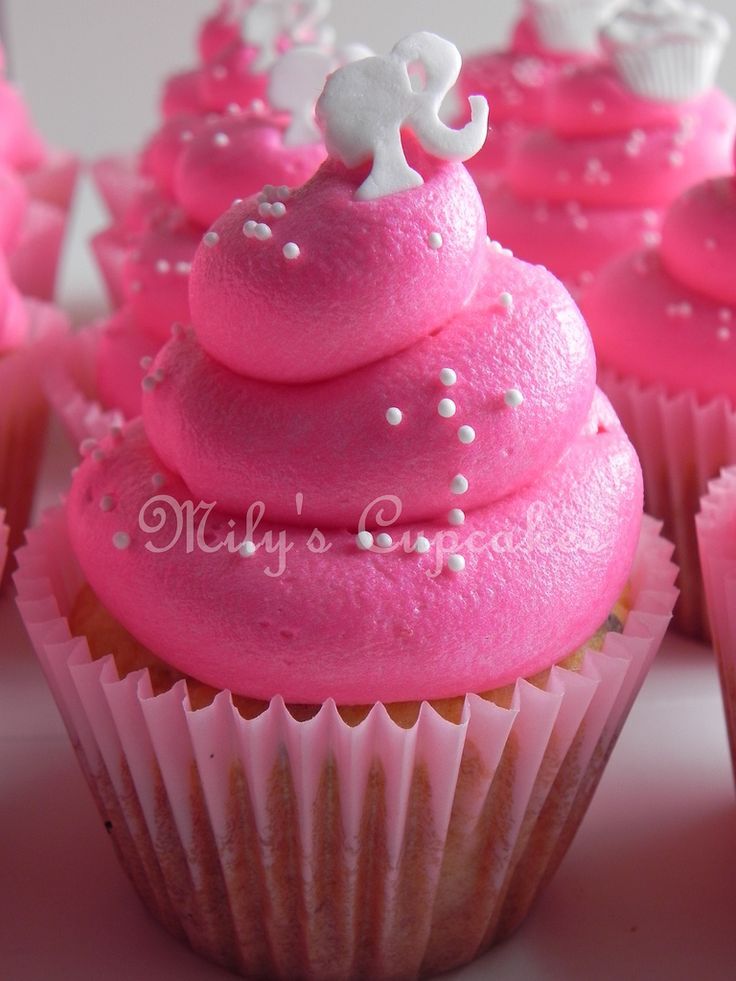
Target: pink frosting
column 20, row 145
column 218, row 31
column 599, row 176
column 13, row 205
column 123, row 351
column 367, row 282
column 668, row 316
column 515, row 82
column 553, row 505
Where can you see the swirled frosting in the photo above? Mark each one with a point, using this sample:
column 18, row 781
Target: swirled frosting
column 197, row 166
column 667, row 316
column 596, row 180
column 467, row 390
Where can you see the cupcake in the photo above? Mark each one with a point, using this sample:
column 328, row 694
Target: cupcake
column 3, row 542
column 30, row 336
column 238, row 45
column 36, row 188
column 623, row 138
column 347, row 726
column 716, row 527
column 664, row 324
column 550, row 36
column 198, row 167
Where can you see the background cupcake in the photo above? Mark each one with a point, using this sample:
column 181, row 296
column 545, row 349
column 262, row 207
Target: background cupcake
column 622, row 139
column 716, row 524
column 548, row 38
column 378, row 336
column 664, row 324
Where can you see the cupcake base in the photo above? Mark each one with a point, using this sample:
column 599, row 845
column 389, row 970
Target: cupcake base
column 681, row 444
column 319, row 849
column 716, row 527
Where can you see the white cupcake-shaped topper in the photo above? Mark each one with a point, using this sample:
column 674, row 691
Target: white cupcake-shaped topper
column 668, row 50
column 366, row 104
column 571, row 26
column 296, row 82
column 267, row 22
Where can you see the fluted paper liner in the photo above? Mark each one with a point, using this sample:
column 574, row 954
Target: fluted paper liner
column 716, row 525
column 24, row 413
column 118, row 182
column 69, row 385
column 317, row 850
column 682, row 444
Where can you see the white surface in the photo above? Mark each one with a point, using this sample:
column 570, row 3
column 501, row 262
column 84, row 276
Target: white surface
column 92, row 69
column 648, row 890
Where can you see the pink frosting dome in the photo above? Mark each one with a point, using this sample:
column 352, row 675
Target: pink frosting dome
column 596, row 180
column 497, row 415
column 668, row 316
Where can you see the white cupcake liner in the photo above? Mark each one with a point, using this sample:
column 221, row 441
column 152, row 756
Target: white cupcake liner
column 24, row 414
column 69, row 385
column 682, row 444
column 672, row 72
column 318, row 850
column 716, row 525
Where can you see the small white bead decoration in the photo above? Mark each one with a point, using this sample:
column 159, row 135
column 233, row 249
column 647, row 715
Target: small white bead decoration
column 394, row 416
column 455, row 563
column 157, row 481
column 723, row 333
column 434, row 240
column 513, row 398
column 148, row 384
column 506, row 300
column 446, row 408
column 676, row 158
column 291, row 251
column 422, row 545
column 278, row 209
column 249, row 228
column 247, row 549
column 384, row 540
column 146, row 362
column 364, row 540
column 456, row 516
column 725, row 315
column 186, row 136
column 459, row 484
column 106, row 503
column 163, row 266
column 211, row 239
column 448, row 377
column 262, row 232
column 264, row 209
column 221, row 139
column 183, row 268
column 466, row 434
column 284, row 192
column 87, row 445
column 121, row 540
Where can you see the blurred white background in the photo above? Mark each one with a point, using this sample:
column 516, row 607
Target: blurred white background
column 91, row 69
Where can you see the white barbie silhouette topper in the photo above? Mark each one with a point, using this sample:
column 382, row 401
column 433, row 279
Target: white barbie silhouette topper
column 365, row 105
column 266, row 22
column 296, row 82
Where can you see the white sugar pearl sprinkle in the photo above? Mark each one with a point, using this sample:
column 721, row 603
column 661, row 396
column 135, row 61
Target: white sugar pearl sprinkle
column 262, row 232
column 291, row 251
column 221, row 139
column 211, row 239
column 455, row 563
column 446, row 408
column 434, row 240
column 284, row 192
column 448, row 377
column 278, row 209
column 384, row 540
column 466, row 434
column 106, row 503
column 506, row 300
column 121, row 540
column 422, row 545
column 163, row 266
column 247, row 549
column 394, row 416
column 148, row 384
column 364, row 540
column 146, row 362
column 513, row 398
column 459, row 484
column 456, row 516
column 157, row 481
column 264, row 209
column 249, row 228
